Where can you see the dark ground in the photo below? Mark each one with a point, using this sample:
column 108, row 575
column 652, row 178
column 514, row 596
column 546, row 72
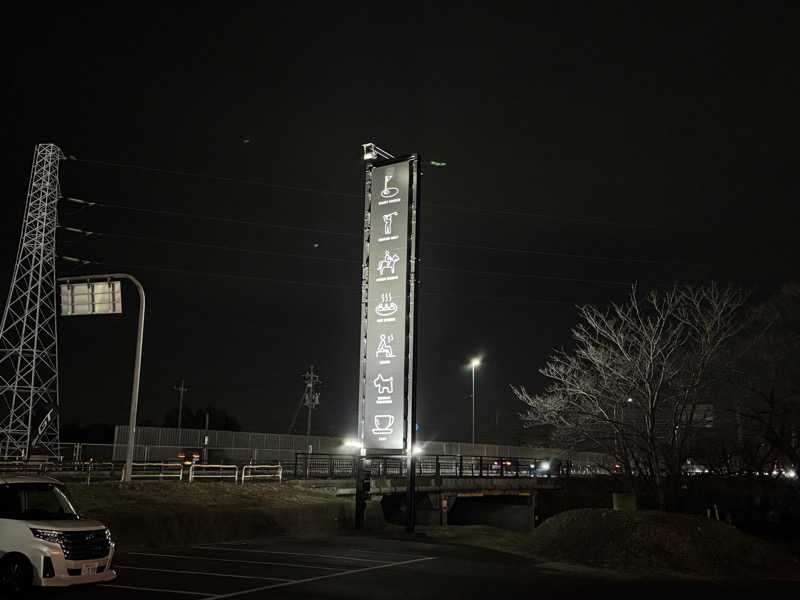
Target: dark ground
column 375, row 566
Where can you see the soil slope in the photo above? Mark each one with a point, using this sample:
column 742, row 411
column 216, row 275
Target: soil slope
column 655, row 541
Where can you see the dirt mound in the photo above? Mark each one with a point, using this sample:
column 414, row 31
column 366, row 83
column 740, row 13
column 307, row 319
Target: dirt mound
column 160, row 514
column 654, row 541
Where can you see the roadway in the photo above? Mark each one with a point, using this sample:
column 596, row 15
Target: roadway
column 369, row 566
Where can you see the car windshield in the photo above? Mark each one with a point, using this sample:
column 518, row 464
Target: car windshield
column 35, row 501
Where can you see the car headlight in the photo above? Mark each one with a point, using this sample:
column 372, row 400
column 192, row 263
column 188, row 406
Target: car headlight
column 108, row 536
column 48, row 535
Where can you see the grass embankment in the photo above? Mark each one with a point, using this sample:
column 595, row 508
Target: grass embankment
column 157, row 514
column 641, row 543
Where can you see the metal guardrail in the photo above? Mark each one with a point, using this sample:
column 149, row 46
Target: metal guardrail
column 308, row 466
column 18, row 466
column 196, row 471
column 153, row 471
column 63, row 469
column 277, row 472
column 89, row 467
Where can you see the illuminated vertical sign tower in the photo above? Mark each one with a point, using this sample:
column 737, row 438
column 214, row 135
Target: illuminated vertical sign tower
column 388, row 293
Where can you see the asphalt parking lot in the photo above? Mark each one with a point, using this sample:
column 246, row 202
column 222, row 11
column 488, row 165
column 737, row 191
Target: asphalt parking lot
column 254, row 569
column 366, row 567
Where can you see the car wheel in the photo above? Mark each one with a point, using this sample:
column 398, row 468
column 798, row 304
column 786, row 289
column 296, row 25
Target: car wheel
column 16, row 574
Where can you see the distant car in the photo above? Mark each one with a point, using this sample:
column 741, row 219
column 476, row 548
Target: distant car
column 189, row 456
column 545, row 468
column 44, row 541
column 499, row 465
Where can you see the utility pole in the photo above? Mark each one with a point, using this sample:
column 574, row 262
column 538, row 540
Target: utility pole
column 205, row 442
column 180, row 389
column 310, row 400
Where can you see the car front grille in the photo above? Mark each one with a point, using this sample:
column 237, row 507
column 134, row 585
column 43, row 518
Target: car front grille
column 85, row 545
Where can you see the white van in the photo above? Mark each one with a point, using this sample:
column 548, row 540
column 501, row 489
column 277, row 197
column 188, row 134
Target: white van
column 43, row 539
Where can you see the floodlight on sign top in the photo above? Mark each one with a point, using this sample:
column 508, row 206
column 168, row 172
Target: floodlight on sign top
column 372, row 152
column 369, row 151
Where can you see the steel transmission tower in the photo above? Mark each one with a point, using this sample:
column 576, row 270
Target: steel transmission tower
column 28, row 336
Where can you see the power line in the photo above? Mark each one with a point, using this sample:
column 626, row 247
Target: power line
column 209, row 273
column 426, row 242
column 350, row 288
column 186, row 215
column 278, row 186
column 435, row 205
column 344, row 260
column 533, row 215
column 206, row 246
column 528, row 276
column 596, row 257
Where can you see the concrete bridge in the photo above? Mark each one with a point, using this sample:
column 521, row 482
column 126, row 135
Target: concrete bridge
column 461, row 489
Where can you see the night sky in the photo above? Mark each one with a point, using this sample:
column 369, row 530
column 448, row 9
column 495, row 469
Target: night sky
column 587, row 147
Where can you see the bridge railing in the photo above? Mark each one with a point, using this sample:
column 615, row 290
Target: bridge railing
column 321, row 466
column 337, row 466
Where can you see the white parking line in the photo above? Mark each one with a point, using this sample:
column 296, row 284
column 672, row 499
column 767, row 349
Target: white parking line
column 319, row 577
column 290, row 553
column 202, row 573
column 163, row 591
column 381, row 553
column 233, row 560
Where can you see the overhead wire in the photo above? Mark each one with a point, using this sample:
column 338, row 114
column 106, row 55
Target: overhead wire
column 504, row 274
column 224, row 247
column 323, row 192
column 256, row 182
column 351, row 288
column 208, row 273
column 592, row 257
column 597, row 257
column 510, row 275
column 186, row 215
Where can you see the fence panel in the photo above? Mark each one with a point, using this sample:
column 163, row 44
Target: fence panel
column 155, row 471
column 165, row 436
column 198, row 471
column 262, row 472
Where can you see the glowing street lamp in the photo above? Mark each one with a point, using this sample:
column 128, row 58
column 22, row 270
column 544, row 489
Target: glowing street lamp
column 474, row 363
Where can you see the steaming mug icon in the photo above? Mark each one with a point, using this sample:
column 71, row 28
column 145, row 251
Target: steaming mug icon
column 383, row 424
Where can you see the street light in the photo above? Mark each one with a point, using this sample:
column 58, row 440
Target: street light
column 475, row 362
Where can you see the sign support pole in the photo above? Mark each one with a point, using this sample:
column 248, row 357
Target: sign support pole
column 361, row 500
column 137, row 365
column 411, row 494
column 413, row 342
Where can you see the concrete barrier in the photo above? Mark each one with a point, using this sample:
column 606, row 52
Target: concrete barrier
column 623, row 501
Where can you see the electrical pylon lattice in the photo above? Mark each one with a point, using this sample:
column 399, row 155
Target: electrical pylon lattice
column 28, row 335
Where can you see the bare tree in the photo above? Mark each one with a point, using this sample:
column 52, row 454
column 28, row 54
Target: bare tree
column 639, row 371
column 767, row 376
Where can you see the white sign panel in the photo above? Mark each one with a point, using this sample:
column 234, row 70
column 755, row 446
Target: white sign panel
column 92, row 298
column 385, row 388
